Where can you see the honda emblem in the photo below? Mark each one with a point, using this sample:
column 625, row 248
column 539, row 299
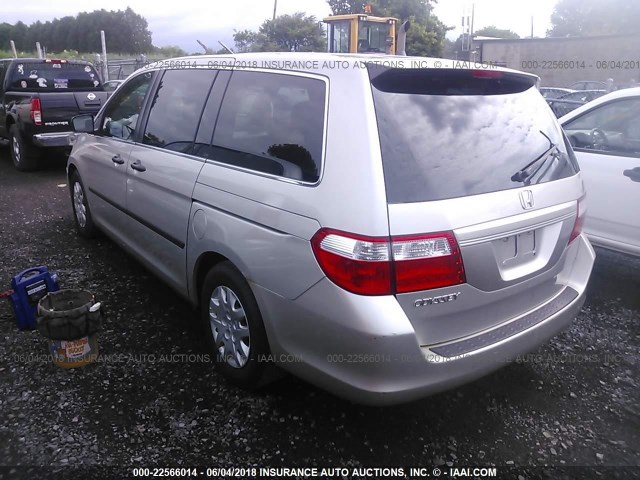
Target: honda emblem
column 526, row 199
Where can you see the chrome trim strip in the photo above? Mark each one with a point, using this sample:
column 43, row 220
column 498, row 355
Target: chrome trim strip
column 516, row 231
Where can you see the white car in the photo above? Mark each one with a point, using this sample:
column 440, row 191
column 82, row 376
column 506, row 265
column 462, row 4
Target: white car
column 605, row 135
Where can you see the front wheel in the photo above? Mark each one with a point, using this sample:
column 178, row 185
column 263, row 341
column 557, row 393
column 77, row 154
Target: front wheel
column 81, row 213
column 25, row 157
column 233, row 326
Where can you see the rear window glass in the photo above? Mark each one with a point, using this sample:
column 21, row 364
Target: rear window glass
column 450, row 134
column 272, row 123
column 54, row 76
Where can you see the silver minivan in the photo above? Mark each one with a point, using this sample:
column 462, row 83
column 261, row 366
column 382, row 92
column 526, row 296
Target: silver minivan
column 383, row 227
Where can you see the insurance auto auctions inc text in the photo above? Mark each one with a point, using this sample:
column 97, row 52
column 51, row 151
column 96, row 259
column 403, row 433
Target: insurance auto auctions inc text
column 360, row 473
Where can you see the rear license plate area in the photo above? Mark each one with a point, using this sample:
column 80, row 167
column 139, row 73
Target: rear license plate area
column 515, row 248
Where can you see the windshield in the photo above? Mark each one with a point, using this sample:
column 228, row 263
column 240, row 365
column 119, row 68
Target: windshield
column 372, row 37
column 450, row 135
column 44, row 76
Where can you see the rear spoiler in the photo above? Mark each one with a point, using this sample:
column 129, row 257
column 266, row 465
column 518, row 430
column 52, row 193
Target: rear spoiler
column 449, row 81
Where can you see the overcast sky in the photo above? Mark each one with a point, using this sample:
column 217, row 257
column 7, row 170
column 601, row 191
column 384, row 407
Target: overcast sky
column 182, row 22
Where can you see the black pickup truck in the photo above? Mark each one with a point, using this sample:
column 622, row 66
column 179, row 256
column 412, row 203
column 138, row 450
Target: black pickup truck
column 38, row 98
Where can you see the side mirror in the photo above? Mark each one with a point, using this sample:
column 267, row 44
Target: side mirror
column 83, row 123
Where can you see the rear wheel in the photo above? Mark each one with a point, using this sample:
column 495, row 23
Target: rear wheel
column 25, row 157
column 233, row 326
column 81, row 213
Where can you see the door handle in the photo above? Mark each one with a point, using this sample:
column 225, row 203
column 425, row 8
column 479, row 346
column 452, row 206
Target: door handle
column 117, row 159
column 633, row 174
column 138, row 166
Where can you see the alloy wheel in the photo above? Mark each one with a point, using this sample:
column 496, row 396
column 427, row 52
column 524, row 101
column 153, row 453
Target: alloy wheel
column 16, row 149
column 78, row 204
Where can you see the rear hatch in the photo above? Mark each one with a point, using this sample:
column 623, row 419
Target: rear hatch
column 482, row 192
column 65, row 89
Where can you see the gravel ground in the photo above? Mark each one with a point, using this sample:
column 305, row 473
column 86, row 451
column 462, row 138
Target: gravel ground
column 573, row 403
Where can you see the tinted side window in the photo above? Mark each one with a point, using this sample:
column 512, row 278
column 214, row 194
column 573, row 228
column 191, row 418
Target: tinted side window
column 202, row 147
column 272, row 123
column 121, row 115
column 176, row 109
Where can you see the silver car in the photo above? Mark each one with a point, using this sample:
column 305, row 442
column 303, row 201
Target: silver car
column 380, row 227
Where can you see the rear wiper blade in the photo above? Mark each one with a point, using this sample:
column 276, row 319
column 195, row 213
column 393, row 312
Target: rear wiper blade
column 524, row 175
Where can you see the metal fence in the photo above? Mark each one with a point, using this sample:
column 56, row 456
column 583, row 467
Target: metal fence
column 119, row 69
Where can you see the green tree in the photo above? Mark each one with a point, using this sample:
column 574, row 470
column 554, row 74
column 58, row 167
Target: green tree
column 287, row 33
column 125, row 31
column 341, row 7
column 297, row 33
column 493, row 31
column 139, row 34
column 449, row 49
column 578, row 18
column 246, row 40
column 5, row 35
column 19, row 34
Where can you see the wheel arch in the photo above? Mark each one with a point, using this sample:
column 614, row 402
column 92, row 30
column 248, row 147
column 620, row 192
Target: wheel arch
column 71, row 169
column 9, row 122
column 205, row 262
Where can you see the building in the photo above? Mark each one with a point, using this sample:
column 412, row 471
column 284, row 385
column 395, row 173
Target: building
column 559, row 62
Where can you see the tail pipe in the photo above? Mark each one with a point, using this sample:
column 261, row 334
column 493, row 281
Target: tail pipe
column 402, row 38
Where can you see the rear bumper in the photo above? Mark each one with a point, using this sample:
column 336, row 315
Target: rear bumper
column 365, row 349
column 56, row 139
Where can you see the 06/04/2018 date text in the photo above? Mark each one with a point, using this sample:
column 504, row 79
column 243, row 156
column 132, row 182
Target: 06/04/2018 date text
column 580, row 64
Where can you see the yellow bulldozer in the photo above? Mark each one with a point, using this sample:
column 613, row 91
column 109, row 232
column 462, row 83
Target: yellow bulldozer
column 363, row 33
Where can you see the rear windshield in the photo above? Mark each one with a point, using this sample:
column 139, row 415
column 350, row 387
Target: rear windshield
column 453, row 133
column 44, row 76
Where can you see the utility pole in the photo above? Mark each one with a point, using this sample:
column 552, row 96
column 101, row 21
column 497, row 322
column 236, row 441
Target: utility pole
column 275, row 7
column 105, row 65
column 473, row 13
column 465, row 33
column 531, row 26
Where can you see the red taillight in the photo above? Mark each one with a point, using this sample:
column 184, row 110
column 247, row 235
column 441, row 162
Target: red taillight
column 36, row 111
column 580, row 214
column 427, row 261
column 356, row 263
column 54, row 60
column 385, row 266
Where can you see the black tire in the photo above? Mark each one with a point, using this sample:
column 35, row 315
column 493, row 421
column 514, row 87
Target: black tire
column 26, row 158
column 221, row 279
column 81, row 212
